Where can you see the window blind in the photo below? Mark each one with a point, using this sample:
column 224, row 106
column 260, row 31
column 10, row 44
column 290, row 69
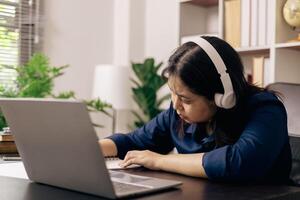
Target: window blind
column 19, row 31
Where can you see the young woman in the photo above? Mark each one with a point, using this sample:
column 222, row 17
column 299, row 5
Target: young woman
column 222, row 127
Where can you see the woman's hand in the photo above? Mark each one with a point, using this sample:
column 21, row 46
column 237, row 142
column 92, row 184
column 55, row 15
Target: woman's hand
column 145, row 158
column 188, row 164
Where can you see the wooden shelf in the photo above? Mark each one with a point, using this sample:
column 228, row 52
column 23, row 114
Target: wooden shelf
column 205, row 3
column 253, row 50
column 198, row 17
column 290, row 45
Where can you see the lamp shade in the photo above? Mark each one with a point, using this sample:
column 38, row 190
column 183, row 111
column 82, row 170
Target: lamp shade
column 112, row 85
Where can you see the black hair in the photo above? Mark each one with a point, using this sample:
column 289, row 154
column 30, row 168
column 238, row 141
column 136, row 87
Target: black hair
column 196, row 70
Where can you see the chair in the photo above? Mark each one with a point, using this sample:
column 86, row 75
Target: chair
column 291, row 98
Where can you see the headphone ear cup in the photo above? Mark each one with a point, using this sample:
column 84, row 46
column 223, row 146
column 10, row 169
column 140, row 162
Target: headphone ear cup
column 218, row 99
column 226, row 101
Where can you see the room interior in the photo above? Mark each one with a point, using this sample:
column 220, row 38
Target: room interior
column 118, row 33
column 99, row 40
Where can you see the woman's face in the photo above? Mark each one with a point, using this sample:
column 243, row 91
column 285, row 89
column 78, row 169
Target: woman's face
column 192, row 108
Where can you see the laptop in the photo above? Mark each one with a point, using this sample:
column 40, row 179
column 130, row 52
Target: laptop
column 59, row 147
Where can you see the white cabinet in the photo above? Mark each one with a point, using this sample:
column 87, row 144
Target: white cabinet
column 208, row 17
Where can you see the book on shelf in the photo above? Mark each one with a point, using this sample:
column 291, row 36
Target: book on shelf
column 258, row 71
column 11, row 157
column 262, row 22
column 254, row 23
column 270, row 17
column 245, row 23
column 5, row 137
column 8, row 147
column 268, row 72
column 233, row 22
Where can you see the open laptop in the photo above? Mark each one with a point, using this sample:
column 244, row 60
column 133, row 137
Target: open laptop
column 59, row 147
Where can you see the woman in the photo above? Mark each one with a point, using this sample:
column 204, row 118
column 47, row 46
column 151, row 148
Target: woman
column 222, row 127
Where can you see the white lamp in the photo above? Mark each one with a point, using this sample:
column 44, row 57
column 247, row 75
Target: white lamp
column 112, row 85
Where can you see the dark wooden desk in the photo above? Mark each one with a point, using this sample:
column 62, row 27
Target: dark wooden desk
column 192, row 188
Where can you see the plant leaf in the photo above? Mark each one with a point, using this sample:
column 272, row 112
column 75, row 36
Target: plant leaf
column 145, row 89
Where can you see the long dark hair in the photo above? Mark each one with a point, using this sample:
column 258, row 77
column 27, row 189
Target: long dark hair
column 193, row 66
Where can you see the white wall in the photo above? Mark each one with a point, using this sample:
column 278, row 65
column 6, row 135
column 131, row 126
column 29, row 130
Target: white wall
column 161, row 28
column 78, row 33
column 161, row 33
column 86, row 33
column 82, row 34
column 137, row 30
column 143, row 28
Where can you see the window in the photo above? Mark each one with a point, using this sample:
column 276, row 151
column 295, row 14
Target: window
column 18, row 36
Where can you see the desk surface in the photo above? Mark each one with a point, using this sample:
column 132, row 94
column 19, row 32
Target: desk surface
column 192, row 188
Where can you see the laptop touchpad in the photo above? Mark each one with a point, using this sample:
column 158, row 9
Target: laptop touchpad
column 129, row 178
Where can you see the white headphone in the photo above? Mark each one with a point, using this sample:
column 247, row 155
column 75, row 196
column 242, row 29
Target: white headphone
column 228, row 99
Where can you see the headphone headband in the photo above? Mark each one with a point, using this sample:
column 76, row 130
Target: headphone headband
column 228, row 99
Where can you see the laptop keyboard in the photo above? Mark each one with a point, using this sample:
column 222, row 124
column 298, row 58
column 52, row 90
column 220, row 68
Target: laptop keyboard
column 124, row 187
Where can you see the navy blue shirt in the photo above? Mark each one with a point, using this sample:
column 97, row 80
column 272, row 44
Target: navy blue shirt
column 261, row 153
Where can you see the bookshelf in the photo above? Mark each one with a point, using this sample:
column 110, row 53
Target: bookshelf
column 197, row 18
column 268, row 37
column 290, row 45
column 253, row 50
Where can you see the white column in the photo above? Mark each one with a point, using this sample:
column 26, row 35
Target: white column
column 162, row 28
column 121, row 32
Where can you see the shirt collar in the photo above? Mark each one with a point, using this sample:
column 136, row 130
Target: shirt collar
column 190, row 128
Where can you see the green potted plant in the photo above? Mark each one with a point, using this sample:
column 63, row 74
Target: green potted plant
column 35, row 79
column 146, row 85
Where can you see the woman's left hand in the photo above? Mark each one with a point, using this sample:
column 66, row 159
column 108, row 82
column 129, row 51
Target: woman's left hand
column 145, row 158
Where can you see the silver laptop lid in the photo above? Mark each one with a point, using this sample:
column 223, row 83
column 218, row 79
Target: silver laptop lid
column 58, row 144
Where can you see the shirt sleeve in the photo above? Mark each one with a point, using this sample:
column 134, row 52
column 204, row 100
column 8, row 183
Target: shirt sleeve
column 154, row 136
column 255, row 151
